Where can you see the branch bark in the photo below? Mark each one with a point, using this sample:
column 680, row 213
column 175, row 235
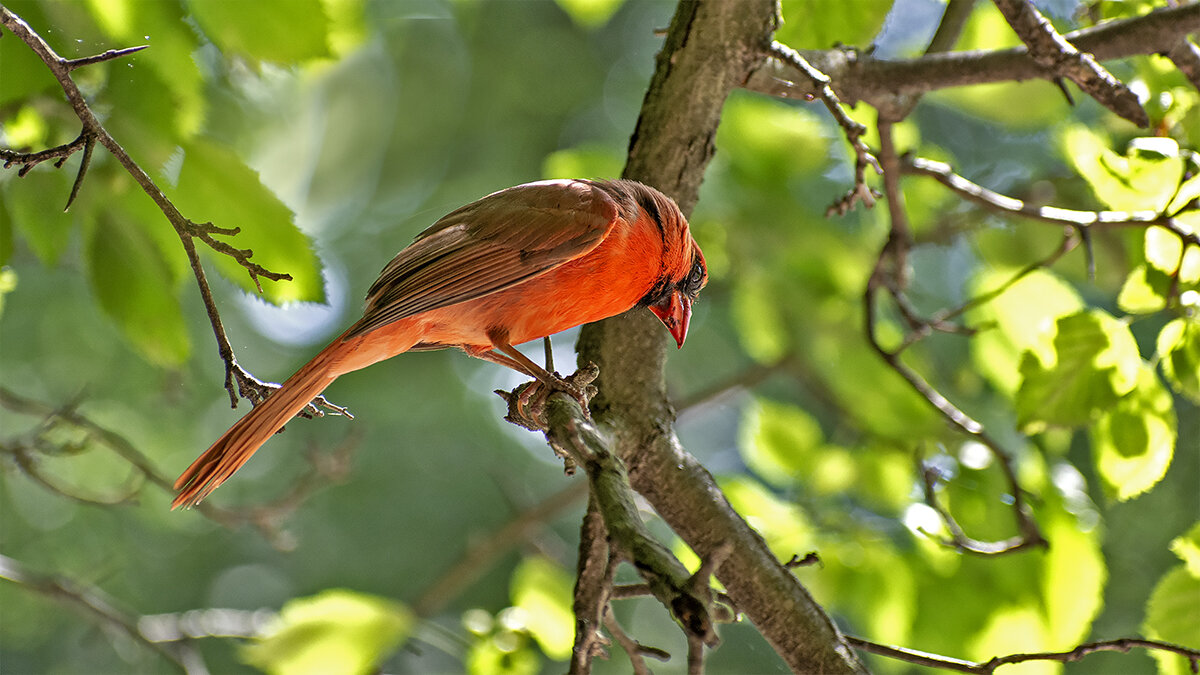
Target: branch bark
column 711, row 48
column 876, row 82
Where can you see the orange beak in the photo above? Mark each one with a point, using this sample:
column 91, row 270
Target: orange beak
column 675, row 311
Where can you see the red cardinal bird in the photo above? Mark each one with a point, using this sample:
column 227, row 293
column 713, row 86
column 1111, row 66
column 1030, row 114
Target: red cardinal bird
column 515, row 266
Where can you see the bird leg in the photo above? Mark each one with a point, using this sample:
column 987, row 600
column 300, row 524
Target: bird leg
column 528, row 401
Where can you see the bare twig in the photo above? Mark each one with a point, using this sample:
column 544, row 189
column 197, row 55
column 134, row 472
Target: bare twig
column 237, row 380
column 987, row 667
column 861, row 192
column 95, row 604
column 266, row 518
column 483, row 555
column 889, row 275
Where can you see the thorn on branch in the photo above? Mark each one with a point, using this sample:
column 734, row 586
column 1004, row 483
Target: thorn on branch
column 72, row 64
column 88, row 146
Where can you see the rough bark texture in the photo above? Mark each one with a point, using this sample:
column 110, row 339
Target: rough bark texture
column 711, row 48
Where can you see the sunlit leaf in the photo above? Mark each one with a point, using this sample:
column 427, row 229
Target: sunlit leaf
column 1187, row 547
column 778, row 441
column 1073, row 577
column 8, row 284
column 1179, row 350
column 214, row 185
column 767, row 140
column 335, row 632
column 544, row 590
column 1014, row 628
column 851, row 23
column 1188, row 192
column 1020, row 319
column 1135, row 440
column 1145, row 178
column 1163, row 249
column 759, row 321
column 283, row 31
column 1093, row 363
column 135, row 287
column 1144, row 291
column 1173, row 615
column 590, row 13
column 35, row 207
column 172, row 44
column 784, row 525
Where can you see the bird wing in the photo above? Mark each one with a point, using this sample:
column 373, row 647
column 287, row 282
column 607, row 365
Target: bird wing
column 488, row 245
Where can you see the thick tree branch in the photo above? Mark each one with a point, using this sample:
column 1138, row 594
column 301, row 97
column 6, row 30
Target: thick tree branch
column 711, row 48
column 1052, row 52
column 856, row 77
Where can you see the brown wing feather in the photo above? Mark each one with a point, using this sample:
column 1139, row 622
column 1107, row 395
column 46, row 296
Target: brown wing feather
column 489, row 245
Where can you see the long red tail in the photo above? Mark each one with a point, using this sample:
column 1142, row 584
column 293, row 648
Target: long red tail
column 236, row 446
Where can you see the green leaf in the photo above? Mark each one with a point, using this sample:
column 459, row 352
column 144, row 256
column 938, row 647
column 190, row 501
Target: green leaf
column 214, row 185
column 767, row 141
column 1020, row 319
column 851, row 23
column 1073, row 576
column 1189, row 191
column 335, row 632
column 590, row 13
column 1093, row 363
column 1163, row 249
column 779, row 442
column 35, row 205
column 1179, row 353
column 283, row 31
column 6, row 235
column 545, row 591
column 1133, row 443
column 8, row 284
column 135, row 287
column 21, row 71
column 756, row 314
column 784, row 525
column 592, row 160
column 1144, row 291
column 1173, row 615
column 1145, row 178
column 1187, row 547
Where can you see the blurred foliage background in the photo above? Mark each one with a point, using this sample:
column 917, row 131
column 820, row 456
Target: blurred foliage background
column 332, row 131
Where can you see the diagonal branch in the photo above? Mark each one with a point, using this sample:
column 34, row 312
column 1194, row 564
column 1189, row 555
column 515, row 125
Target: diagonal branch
column 95, row 604
column 237, row 380
column 1052, row 51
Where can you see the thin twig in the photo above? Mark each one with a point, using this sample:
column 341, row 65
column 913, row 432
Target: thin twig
column 237, row 380
column 94, row 603
column 987, row 667
column 861, row 192
column 889, row 274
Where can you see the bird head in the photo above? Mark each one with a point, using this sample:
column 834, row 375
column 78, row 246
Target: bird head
column 673, row 305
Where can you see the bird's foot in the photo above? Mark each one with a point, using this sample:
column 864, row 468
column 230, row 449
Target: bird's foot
column 527, row 403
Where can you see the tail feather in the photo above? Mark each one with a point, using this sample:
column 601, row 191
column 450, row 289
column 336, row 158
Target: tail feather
column 236, row 446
